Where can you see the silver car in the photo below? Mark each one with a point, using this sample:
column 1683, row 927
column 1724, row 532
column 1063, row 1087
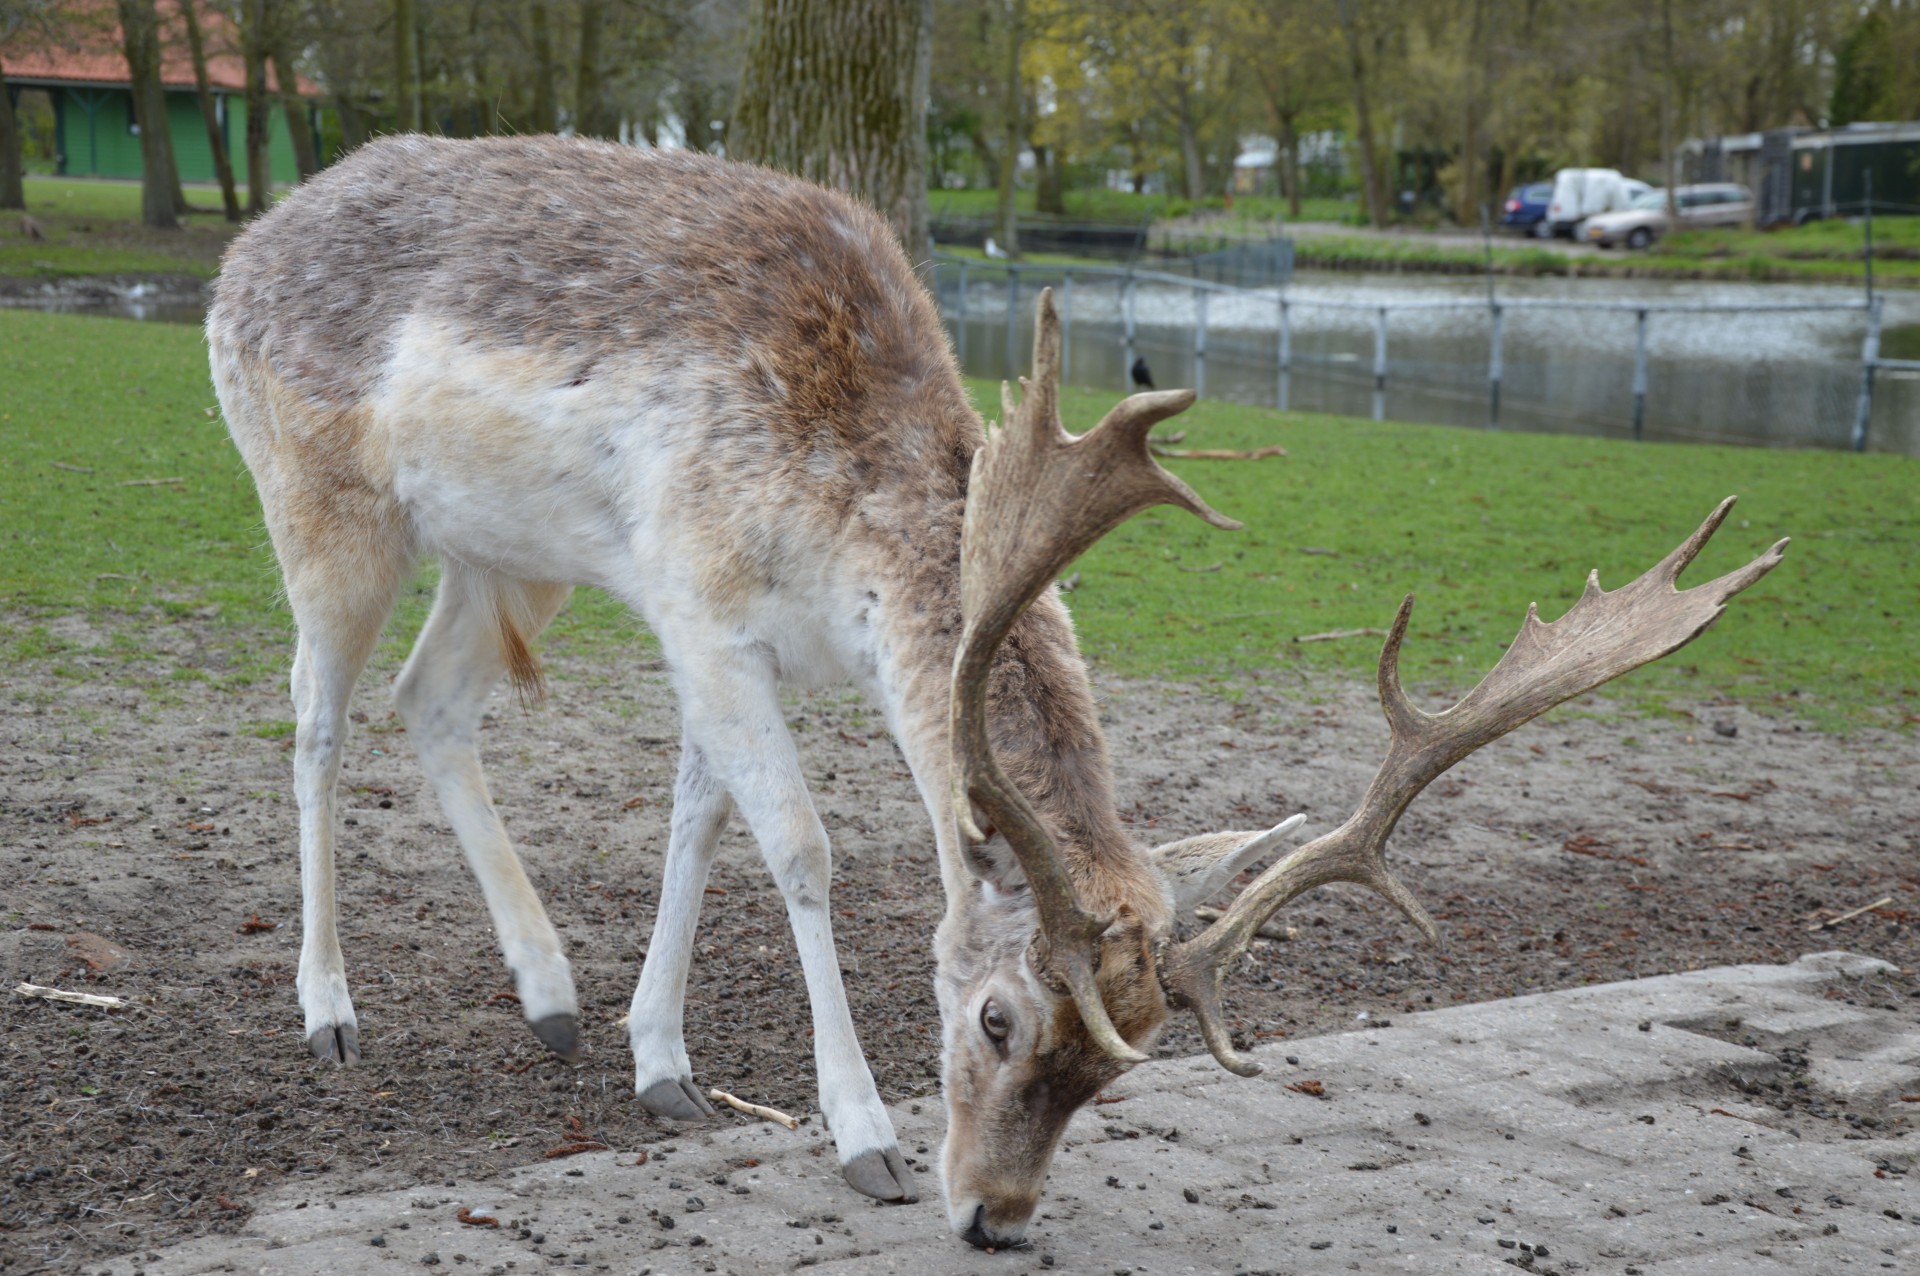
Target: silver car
column 1645, row 220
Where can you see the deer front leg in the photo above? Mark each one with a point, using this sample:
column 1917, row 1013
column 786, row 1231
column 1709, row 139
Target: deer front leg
column 733, row 711
column 662, row 1073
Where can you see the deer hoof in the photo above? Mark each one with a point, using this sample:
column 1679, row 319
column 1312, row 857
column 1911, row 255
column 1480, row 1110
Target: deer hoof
column 883, row 1175
column 560, row 1034
column 339, row 1044
column 676, row 1100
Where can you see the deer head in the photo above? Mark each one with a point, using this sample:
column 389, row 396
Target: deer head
column 1065, row 970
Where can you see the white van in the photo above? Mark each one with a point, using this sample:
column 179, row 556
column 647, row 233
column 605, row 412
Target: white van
column 1580, row 193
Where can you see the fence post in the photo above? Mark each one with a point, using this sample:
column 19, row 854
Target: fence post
column 1200, row 300
column 1494, row 372
column 1126, row 309
column 1640, row 375
column 1286, row 350
column 960, row 345
column 1869, row 357
column 1066, row 329
column 1380, row 364
column 1013, row 320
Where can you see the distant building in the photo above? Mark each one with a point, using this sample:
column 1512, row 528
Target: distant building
column 84, row 74
column 1803, row 174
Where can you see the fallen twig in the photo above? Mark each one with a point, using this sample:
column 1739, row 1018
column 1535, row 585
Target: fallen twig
column 1331, row 634
column 254, row 925
column 1316, row 549
column 573, row 1148
column 754, row 1109
column 153, row 482
column 1210, row 567
column 71, row 469
column 1313, row 1089
column 1882, row 902
column 77, row 998
column 1218, row 454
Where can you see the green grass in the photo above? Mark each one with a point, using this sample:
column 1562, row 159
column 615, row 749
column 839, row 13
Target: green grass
column 1819, row 252
column 1477, row 524
column 92, row 227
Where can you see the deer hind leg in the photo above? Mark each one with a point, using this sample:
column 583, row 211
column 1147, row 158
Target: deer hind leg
column 732, row 710
column 662, row 1073
column 341, row 582
column 478, row 632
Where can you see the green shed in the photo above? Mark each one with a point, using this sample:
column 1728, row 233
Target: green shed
column 85, row 75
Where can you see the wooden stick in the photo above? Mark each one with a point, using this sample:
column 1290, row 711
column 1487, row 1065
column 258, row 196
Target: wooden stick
column 71, row 469
column 159, row 482
column 1817, row 927
column 1331, row 634
column 1218, row 454
column 754, row 1109
column 77, row 998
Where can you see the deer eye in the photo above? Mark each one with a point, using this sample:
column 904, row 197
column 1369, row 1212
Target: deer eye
column 995, row 1021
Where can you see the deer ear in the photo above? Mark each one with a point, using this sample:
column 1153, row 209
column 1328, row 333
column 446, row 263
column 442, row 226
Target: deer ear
column 993, row 860
column 1198, row 866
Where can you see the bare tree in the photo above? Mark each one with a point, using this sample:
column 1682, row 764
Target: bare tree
column 836, row 91
column 209, row 113
column 161, row 200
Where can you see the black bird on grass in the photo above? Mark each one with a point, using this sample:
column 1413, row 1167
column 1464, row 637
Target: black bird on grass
column 1142, row 377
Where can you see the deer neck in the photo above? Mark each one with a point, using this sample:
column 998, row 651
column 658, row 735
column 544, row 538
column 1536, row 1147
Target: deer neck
column 1045, row 722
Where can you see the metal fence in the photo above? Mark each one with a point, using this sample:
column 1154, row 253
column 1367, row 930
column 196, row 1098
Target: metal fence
column 1653, row 368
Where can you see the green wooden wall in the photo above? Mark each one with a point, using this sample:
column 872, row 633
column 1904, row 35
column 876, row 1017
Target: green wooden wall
column 101, row 143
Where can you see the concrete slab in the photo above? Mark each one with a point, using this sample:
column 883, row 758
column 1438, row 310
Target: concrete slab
column 1620, row 1128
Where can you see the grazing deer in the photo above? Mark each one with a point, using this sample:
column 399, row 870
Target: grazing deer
column 721, row 395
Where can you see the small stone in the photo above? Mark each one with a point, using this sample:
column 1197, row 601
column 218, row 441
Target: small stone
column 1539, row 1251
column 378, row 1242
column 1046, row 1260
column 1423, row 1118
column 1391, row 1229
column 1504, row 1243
column 1320, row 1245
column 1193, row 1197
column 1646, row 1025
column 1294, row 1059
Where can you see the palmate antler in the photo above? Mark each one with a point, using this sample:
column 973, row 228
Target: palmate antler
column 1037, row 498
column 1602, row 637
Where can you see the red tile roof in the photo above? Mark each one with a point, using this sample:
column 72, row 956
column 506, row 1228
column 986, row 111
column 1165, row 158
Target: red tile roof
column 85, row 48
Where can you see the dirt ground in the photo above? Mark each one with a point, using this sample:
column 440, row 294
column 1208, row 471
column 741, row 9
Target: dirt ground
column 147, row 851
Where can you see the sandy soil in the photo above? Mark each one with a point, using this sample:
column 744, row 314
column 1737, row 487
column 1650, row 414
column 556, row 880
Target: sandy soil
column 147, row 851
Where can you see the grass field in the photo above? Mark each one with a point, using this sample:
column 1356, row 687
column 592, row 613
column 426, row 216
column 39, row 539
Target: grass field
column 92, row 227
column 1477, row 524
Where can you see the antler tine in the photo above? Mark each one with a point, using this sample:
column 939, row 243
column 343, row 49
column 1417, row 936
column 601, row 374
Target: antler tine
column 1601, row 637
column 1038, row 497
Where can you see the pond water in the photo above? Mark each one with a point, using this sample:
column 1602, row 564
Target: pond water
column 1775, row 377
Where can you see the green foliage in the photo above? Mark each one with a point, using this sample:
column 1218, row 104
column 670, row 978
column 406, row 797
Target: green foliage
column 1477, row 523
column 1099, row 204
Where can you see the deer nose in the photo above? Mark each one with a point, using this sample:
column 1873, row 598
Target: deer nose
column 977, row 1234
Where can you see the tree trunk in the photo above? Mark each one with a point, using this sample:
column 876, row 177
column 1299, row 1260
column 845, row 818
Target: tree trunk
column 1363, row 113
column 210, row 112
column 253, row 53
column 1047, row 195
column 159, row 183
column 546, row 112
column 13, row 191
column 1666, row 115
column 1290, row 163
column 306, row 157
column 589, row 115
column 1007, row 212
column 1193, row 185
column 406, row 100
column 836, row 91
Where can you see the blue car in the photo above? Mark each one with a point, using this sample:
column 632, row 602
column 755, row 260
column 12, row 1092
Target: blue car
column 1526, row 209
